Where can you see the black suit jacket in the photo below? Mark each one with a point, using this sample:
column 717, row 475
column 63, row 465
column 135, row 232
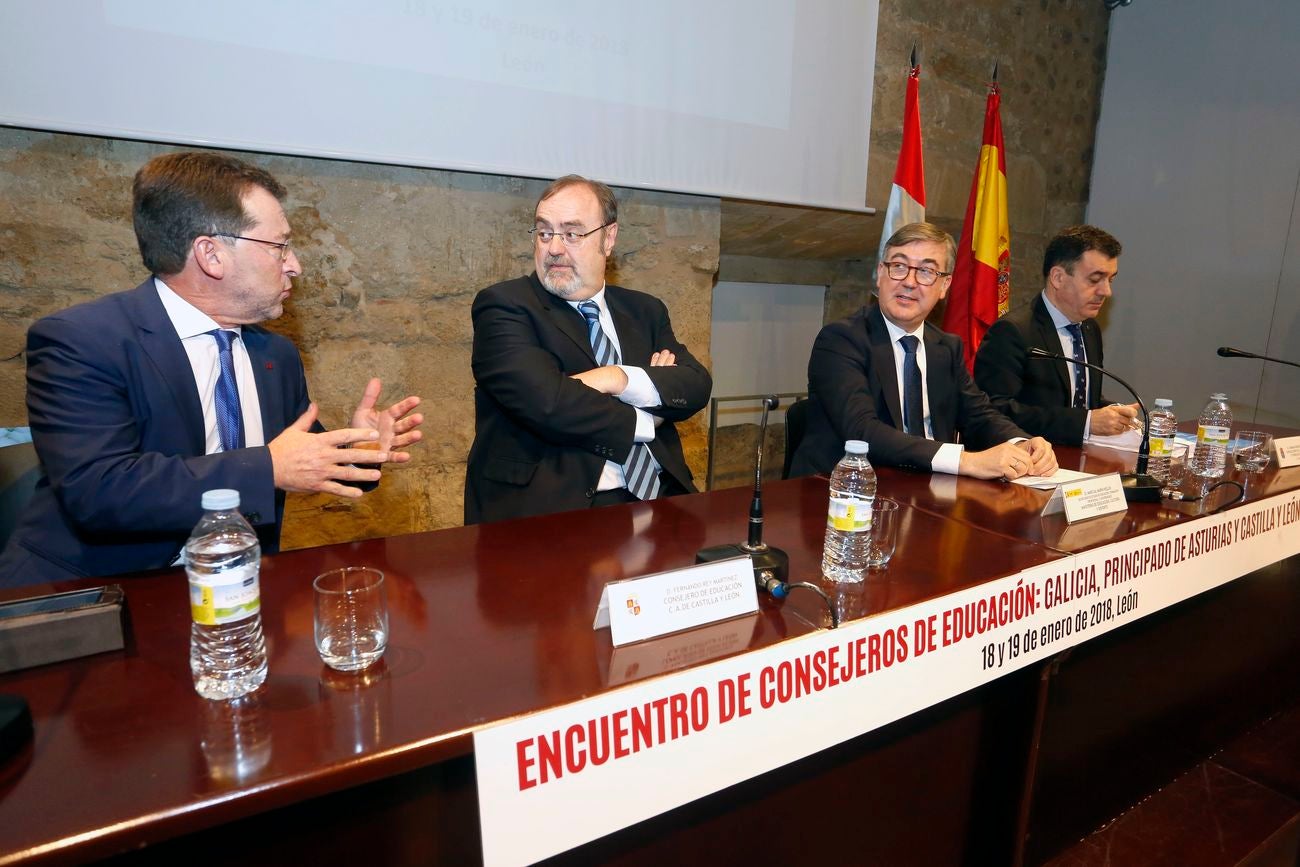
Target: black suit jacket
column 118, row 426
column 541, row 438
column 853, row 394
column 1035, row 393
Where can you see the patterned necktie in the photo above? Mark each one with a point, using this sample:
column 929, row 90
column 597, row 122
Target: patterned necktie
column 230, row 421
column 1080, row 372
column 913, row 398
column 639, row 472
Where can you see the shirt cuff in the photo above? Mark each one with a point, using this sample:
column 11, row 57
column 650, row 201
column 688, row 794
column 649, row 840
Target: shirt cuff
column 640, row 389
column 645, row 426
column 947, row 459
column 1087, row 425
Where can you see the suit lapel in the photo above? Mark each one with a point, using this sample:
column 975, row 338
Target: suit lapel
column 270, row 383
column 567, row 320
column 1051, row 341
column 633, row 347
column 939, row 386
column 158, row 339
column 1092, row 346
column 882, row 361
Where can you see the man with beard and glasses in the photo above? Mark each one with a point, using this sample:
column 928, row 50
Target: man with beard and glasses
column 578, row 383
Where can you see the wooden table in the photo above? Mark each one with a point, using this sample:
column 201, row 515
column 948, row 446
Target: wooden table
column 494, row 621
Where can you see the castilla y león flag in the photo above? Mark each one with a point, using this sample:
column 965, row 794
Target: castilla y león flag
column 981, row 280
column 907, row 198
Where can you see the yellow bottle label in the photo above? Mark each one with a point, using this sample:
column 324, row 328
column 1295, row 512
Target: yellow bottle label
column 849, row 514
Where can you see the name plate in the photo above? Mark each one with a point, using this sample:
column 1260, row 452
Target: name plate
column 1288, row 451
column 1087, row 498
column 654, row 605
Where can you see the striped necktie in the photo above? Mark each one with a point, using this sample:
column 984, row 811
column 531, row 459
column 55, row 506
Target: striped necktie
column 1080, row 372
column 639, row 473
column 230, row 420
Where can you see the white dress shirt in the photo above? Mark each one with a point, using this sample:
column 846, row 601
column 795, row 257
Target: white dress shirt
column 948, row 458
column 192, row 326
column 1060, row 320
column 640, row 392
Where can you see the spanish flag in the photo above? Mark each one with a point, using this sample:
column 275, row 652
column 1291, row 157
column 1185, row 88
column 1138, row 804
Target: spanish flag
column 907, row 198
column 981, row 280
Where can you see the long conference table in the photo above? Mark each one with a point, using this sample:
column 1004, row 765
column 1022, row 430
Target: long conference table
column 492, row 623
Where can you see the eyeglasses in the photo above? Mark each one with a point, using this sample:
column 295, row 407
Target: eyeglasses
column 925, row 275
column 570, row 238
column 282, row 251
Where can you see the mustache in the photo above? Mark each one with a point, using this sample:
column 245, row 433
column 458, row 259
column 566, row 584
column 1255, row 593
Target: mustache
column 560, row 259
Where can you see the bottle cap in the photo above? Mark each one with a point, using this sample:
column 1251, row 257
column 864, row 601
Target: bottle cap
column 1164, row 401
column 856, row 447
column 219, row 499
column 1218, row 395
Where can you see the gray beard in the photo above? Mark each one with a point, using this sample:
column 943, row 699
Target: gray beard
column 559, row 287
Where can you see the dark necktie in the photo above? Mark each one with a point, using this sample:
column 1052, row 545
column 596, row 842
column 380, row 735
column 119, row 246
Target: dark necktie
column 639, row 472
column 913, row 397
column 230, row 421
column 1080, row 372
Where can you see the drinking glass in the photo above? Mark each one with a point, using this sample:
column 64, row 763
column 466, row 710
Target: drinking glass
column 351, row 617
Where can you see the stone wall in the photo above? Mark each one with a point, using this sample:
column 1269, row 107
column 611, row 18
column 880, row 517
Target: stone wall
column 392, row 258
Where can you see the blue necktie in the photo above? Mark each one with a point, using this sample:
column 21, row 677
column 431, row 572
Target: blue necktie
column 639, row 472
column 230, row 421
column 913, row 397
column 1080, row 372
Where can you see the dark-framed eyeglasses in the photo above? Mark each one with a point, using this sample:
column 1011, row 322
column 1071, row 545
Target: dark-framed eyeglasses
column 925, row 275
column 282, row 249
column 570, row 238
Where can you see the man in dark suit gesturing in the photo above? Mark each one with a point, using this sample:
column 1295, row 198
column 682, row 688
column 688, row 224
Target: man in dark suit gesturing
column 1060, row 401
column 142, row 400
column 578, row 383
column 886, row 376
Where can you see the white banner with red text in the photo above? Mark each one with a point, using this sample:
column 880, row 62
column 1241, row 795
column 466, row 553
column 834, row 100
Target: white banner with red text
column 553, row 780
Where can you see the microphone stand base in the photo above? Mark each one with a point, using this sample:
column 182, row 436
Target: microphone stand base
column 1140, row 487
column 774, row 561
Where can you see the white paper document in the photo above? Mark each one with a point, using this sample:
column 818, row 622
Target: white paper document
column 1046, row 483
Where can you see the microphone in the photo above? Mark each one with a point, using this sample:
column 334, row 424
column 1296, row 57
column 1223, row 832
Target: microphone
column 1138, row 486
column 1229, row 352
column 771, row 565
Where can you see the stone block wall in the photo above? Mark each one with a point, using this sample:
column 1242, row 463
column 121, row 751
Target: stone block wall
column 392, row 258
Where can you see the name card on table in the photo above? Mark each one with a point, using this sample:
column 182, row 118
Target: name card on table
column 1288, row 451
column 1087, row 498
column 654, row 605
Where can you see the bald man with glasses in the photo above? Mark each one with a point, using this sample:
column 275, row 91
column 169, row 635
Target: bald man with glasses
column 578, row 383
column 886, row 376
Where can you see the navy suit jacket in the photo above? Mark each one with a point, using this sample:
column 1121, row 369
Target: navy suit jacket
column 118, row 427
column 542, row 438
column 853, row 395
column 1036, row 393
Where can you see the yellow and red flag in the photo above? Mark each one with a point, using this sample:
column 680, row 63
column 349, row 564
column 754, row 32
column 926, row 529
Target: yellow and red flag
column 907, row 198
column 981, row 280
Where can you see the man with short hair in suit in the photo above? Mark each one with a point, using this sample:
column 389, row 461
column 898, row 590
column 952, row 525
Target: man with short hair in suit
column 886, row 376
column 1057, row 400
column 578, row 383
column 142, row 400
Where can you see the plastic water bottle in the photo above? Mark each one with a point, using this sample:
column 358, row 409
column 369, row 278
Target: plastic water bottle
column 222, row 560
column 848, row 517
column 1163, row 427
column 1212, row 434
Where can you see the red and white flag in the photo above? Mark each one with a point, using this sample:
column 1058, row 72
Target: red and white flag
column 907, row 198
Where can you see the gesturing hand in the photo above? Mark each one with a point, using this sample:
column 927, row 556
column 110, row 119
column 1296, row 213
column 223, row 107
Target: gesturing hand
column 315, row 462
column 396, row 425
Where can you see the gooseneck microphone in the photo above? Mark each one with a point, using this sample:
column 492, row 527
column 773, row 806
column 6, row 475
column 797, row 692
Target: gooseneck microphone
column 1229, row 352
column 1138, row 486
column 771, row 565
